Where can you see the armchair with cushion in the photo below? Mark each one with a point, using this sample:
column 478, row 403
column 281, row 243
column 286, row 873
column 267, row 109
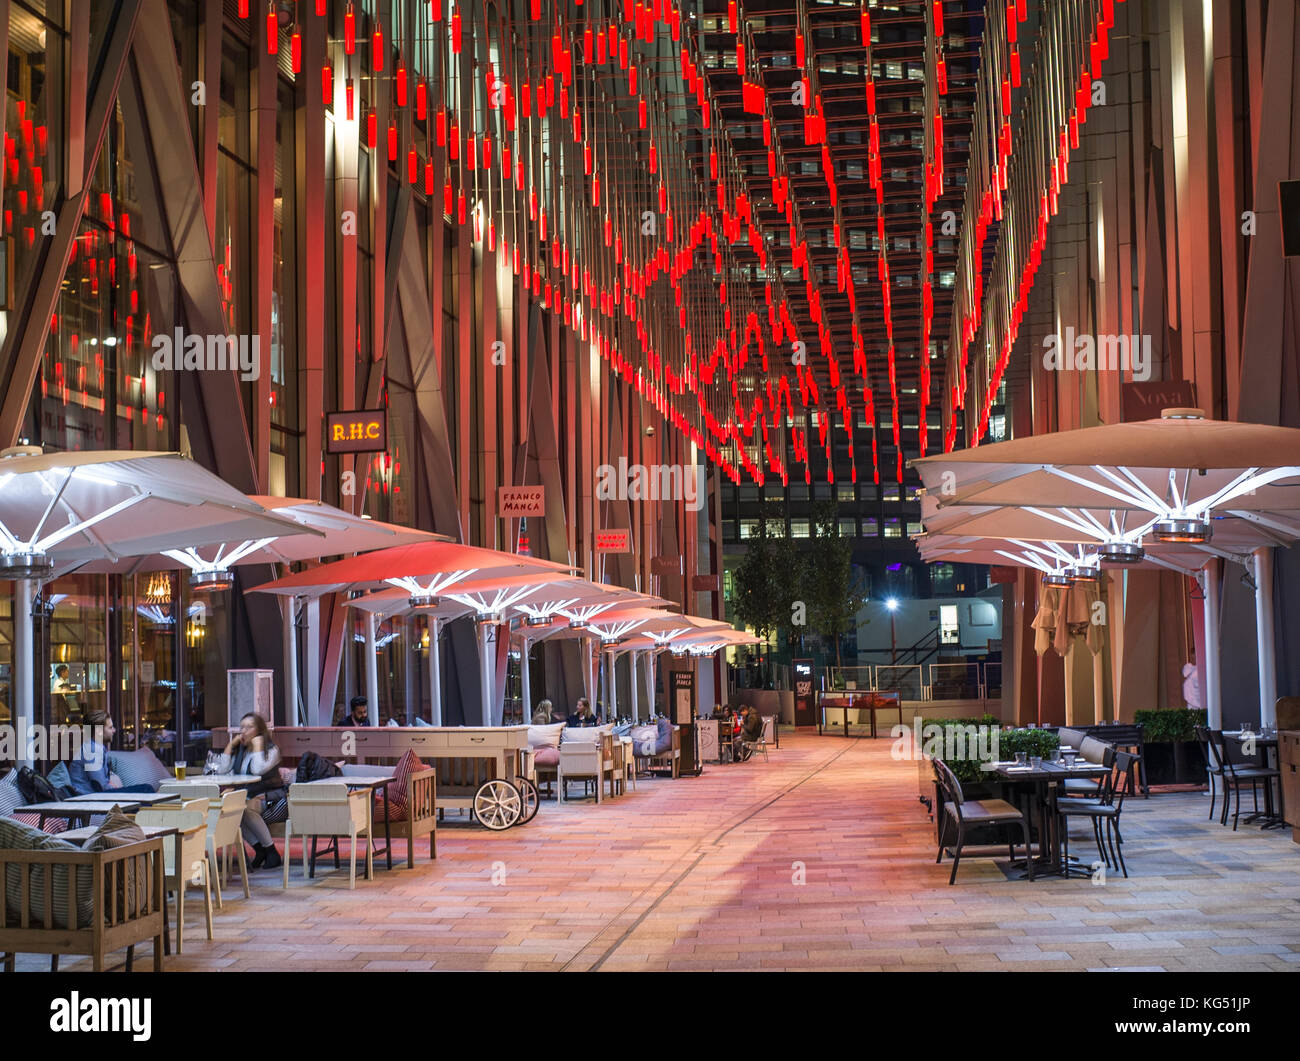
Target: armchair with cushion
column 586, row 754
column 408, row 800
column 329, row 810
column 665, row 753
column 544, row 743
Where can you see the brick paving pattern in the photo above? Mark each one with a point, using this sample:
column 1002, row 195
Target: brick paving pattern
column 822, row 858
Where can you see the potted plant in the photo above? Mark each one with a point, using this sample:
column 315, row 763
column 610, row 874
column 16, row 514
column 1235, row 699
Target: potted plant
column 1172, row 754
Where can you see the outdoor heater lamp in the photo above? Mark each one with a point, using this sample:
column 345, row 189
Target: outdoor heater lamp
column 1121, row 553
column 537, row 620
column 35, row 566
column 488, row 619
column 423, row 602
column 609, row 641
column 1055, row 578
column 578, row 624
column 1182, row 531
column 211, row 581
column 1082, row 574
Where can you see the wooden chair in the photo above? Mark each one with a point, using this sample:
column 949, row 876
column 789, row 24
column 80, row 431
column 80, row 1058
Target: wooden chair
column 964, row 812
column 120, row 916
column 671, row 759
column 193, row 867
column 329, row 810
column 187, row 791
column 421, row 818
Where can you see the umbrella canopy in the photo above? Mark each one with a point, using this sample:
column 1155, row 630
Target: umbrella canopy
column 60, row 510
column 427, row 569
column 332, row 532
column 485, row 596
column 1180, row 466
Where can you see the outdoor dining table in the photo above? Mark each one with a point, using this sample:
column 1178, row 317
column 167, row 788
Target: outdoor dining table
column 1038, row 786
column 221, row 780
column 144, row 799
column 78, row 809
column 354, row 782
column 1270, row 819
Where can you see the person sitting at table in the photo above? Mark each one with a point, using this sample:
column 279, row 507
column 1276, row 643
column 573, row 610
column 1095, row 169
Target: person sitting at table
column 88, row 772
column 542, row 716
column 358, row 713
column 751, row 729
column 252, row 751
column 583, row 714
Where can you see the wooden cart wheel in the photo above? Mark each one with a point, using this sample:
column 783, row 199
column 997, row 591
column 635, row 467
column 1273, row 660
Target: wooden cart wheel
column 532, row 801
column 498, row 805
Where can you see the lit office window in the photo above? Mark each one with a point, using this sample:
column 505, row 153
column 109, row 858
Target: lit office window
column 846, row 492
column 871, row 528
column 748, row 528
column 893, row 528
column 848, row 528
column 798, row 528
column 913, row 529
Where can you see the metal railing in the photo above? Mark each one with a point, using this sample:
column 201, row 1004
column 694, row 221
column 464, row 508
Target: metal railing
column 925, row 681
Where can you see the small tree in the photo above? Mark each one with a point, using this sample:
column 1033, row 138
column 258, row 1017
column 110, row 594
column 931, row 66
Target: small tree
column 766, row 581
column 836, row 593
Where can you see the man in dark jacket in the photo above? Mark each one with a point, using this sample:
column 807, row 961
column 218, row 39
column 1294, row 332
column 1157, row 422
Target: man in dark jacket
column 359, row 713
column 751, row 730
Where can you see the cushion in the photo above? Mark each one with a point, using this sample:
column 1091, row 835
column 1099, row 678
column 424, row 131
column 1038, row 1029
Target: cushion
column 16, row 836
column 10, row 797
column 664, row 737
column 60, row 779
column 407, row 765
column 583, row 734
column 140, row 767
column 117, row 830
column 546, row 757
column 545, row 736
column 420, row 722
column 645, row 740
column 393, row 722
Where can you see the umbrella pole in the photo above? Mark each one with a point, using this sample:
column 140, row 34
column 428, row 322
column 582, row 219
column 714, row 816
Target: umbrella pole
column 312, row 692
column 372, row 668
column 24, row 670
column 290, row 665
column 611, row 677
column 1210, row 671
column 486, row 660
column 435, row 674
column 1264, row 635
column 636, row 707
column 525, row 697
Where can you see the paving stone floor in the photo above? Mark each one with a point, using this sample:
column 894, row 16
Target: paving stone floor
column 821, row 858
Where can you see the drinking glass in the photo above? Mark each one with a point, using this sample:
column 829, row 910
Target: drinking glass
column 1247, row 728
column 1020, row 758
column 179, row 769
column 1035, row 761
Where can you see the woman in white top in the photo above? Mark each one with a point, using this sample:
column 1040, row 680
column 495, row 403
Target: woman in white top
column 252, row 751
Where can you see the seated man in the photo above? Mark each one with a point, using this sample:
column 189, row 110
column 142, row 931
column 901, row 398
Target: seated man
column 751, row 730
column 89, row 772
column 358, row 713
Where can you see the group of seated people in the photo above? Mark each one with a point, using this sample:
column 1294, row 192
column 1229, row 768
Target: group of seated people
column 737, row 732
column 582, row 715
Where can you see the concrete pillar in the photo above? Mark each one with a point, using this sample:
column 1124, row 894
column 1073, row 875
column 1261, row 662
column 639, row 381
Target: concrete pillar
column 22, row 696
column 1264, row 634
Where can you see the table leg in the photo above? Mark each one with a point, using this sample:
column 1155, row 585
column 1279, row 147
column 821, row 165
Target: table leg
column 388, row 834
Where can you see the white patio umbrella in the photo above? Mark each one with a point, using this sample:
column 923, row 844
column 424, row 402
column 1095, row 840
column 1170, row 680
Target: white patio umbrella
column 1177, row 479
column 488, row 598
column 427, row 572
column 336, row 533
column 60, row 510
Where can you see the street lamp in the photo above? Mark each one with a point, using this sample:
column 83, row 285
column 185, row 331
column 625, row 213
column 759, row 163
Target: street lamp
column 892, row 605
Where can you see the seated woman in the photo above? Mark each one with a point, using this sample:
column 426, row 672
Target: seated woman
column 542, row 716
column 252, row 751
column 583, row 714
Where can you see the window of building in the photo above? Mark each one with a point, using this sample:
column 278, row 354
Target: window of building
column 893, row 528
column 871, row 528
column 913, row 529
column 748, row 528
column 799, row 528
column 846, row 492
column 848, row 528
column 729, row 530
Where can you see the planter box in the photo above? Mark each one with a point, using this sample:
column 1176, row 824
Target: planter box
column 1175, row 763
